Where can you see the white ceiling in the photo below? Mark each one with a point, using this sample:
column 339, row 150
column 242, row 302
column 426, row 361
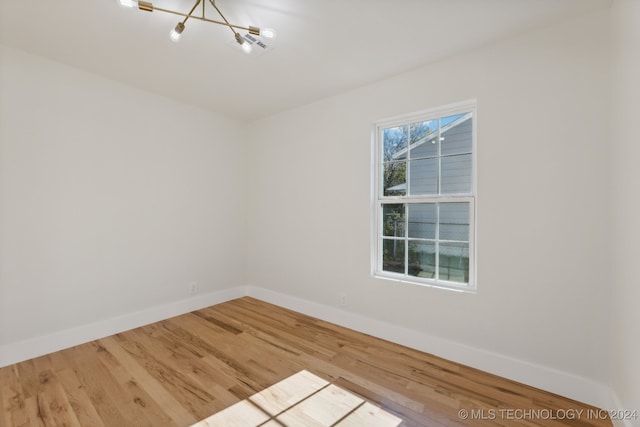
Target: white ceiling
column 323, row 47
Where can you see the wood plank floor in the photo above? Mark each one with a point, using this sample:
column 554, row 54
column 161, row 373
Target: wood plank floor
column 181, row 371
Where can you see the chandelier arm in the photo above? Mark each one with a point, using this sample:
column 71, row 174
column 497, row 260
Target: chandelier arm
column 225, row 19
column 191, row 12
column 213, row 21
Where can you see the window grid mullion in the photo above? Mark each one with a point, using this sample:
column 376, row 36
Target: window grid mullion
column 407, row 171
column 439, row 157
column 406, row 238
column 437, row 275
column 439, row 178
column 407, row 168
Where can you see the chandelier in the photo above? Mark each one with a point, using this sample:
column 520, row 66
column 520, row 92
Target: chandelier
column 176, row 33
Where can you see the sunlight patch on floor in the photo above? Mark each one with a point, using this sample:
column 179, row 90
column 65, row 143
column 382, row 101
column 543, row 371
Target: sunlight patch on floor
column 303, row 399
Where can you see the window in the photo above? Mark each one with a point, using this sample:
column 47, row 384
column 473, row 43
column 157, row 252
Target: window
column 424, row 210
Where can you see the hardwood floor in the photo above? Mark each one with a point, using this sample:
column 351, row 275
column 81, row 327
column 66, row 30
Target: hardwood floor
column 181, row 371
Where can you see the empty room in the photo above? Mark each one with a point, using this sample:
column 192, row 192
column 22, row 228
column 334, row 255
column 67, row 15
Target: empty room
column 319, row 213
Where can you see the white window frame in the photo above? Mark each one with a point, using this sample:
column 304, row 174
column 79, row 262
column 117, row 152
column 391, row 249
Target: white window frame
column 378, row 198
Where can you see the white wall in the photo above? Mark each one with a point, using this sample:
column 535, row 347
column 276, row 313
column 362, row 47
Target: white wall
column 112, row 200
column 626, row 205
column 543, row 293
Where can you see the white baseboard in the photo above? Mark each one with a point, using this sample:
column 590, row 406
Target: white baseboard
column 38, row 346
column 545, row 378
column 617, row 405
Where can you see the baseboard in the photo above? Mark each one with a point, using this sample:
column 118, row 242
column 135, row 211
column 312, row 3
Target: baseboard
column 38, row 346
column 616, row 405
column 545, row 378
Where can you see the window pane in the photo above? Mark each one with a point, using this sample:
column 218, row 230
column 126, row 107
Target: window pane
column 450, row 120
column 393, row 255
column 395, row 179
column 456, row 174
column 456, row 134
column 423, row 176
column 422, row 220
column 454, row 221
column 422, row 259
column 425, row 148
column 395, row 142
column 454, row 262
column 393, row 219
column 423, row 138
column 420, row 130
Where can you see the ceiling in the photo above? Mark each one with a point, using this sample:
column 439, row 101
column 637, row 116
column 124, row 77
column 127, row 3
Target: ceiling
column 323, row 47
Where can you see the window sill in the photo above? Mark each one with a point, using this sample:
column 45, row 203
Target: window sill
column 444, row 285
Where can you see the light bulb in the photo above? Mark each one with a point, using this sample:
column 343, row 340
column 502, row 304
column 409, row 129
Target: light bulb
column 128, row 3
column 244, row 44
column 176, row 33
column 268, row 33
column 246, row 47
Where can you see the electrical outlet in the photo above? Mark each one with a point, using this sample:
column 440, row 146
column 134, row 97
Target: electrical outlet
column 343, row 300
column 193, row 288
